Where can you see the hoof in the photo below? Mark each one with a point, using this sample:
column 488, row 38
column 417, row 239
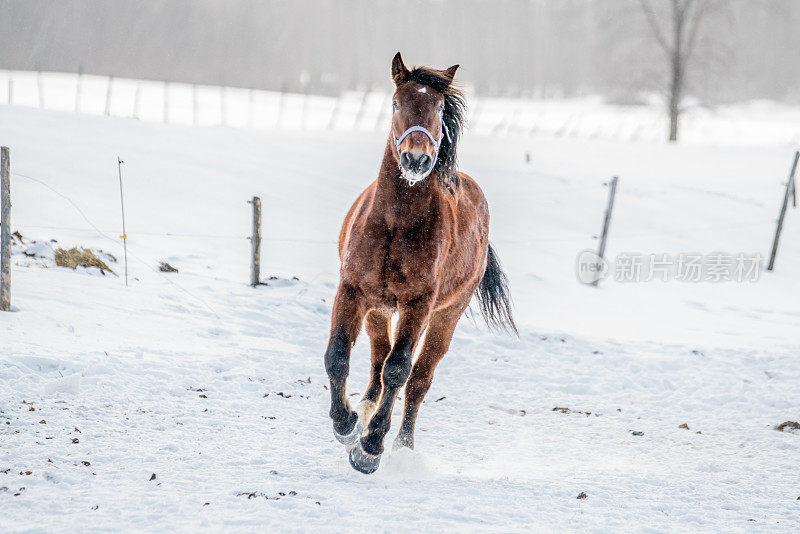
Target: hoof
column 351, row 437
column 362, row 461
column 403, row 440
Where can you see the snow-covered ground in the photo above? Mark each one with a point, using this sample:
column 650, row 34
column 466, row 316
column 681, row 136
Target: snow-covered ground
column 218, row 389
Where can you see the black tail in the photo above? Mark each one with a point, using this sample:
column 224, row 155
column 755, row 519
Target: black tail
column 493, row 296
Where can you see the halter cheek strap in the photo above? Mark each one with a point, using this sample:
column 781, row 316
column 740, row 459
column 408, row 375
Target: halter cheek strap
column 436, row 143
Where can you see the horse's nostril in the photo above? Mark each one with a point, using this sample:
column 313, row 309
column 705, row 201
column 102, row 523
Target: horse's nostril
column 414, row 163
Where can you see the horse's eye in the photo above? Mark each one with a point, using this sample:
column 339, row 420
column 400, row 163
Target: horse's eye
column 396, row 106
column 440, row 109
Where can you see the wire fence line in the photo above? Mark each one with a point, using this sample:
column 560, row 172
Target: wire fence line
column 565, row 238
column 370, row 111
column 149, row 264
column 152, row 265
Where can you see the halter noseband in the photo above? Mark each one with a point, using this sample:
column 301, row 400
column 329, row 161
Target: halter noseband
column 436, row 144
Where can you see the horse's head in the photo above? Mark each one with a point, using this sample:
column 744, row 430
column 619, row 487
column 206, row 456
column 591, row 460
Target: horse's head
column 419, row 127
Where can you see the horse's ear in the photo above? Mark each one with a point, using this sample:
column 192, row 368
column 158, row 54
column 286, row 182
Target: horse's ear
column 399, row 70
column 451, row 72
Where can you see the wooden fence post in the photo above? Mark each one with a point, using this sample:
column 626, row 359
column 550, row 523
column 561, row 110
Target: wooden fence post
column 251, row 107
column 223, row 107
column 255, row 242
column 137, row 99
column 380, row 120
column 281, row 100
column 78, row 89
column 335, row 112
column 195, row 106
column 361, row 110
column 304, row 109
column 40, row 88
column 794, row 180
column 108, row 95
column 607, row 221
column 166, row 102
column 779, row 228
column 5, row 230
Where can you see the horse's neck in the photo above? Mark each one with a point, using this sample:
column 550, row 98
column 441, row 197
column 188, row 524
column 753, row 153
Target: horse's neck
column 399, row 201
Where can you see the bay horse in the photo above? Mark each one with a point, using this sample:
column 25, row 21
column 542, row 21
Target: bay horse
column 416, row 242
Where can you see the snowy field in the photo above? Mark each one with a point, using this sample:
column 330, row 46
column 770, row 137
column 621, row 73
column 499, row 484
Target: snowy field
column 190, row 401
column 368, row 110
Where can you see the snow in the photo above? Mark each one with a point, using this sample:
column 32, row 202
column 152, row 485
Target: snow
column 763, row 123
column 218, row 389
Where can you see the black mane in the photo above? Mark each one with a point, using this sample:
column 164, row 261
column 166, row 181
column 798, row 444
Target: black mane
column 455, row 111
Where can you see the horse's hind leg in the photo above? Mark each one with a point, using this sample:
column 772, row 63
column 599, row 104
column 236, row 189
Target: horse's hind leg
column 366, row 454
column 378, row 327
column 345, row 325
column 437, row 341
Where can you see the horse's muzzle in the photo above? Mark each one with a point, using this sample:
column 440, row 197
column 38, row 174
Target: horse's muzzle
column 415, row 162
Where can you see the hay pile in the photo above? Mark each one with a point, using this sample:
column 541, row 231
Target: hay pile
column 75, row 257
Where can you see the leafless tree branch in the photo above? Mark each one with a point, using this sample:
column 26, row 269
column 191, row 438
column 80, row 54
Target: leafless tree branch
column 653, row 23
column 705, row 7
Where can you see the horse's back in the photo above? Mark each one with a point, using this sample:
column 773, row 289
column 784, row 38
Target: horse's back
column 473, row 200
column 465, row 263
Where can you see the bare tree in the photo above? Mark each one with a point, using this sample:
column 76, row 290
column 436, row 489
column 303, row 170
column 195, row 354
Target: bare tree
column 677, row 38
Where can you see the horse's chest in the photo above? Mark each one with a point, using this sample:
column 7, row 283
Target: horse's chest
column 397, row 266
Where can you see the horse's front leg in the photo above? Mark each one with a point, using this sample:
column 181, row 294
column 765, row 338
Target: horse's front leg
column 345, row 326
column 366, row 454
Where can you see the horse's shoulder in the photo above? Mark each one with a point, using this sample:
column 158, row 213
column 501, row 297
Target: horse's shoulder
column 358, row 207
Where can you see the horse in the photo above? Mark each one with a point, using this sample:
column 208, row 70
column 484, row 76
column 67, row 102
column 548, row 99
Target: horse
column 415, row 242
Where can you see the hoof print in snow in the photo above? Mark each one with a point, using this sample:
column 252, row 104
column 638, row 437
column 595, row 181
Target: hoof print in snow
column 279, row 282
column 637, row 433
column 165, row 267
column 563, row 410
column 582, row 495
column 153, row 476
column 788, row 426
column 684, row 426
column 261, row 494
column 75, row 440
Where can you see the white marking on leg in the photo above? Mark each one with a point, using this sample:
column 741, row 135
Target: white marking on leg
column 365, row 410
